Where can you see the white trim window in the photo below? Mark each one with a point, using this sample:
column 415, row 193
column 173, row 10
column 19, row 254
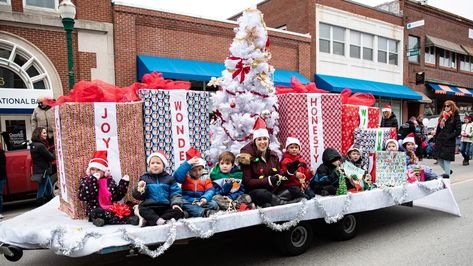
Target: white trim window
column 466, row 63
column 331, row 39
column 367, row 41
column 361, row 45
column 355, row 44
column 430, row 55
column 5, row 2
column 413, row 47
column 387, row 51
column 447, row 58
column 41, row 4
column 393, row 52
column 382, row 50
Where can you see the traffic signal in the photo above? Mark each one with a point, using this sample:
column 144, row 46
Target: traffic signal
column 420, row 78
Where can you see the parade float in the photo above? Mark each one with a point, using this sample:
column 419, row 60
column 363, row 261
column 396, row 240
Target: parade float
column 163, row 115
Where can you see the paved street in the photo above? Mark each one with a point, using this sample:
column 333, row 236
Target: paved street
column 392, row 236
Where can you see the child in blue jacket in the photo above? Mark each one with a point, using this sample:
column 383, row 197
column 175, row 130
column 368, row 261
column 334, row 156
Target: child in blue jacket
column 197, row 189
column 160, row 193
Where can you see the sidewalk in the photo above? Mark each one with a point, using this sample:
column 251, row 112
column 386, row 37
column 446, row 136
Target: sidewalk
column 460, row 172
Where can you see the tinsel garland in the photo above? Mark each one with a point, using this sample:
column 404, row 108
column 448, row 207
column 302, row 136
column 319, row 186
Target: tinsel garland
column 401, row 198
column 199, row 231
column 143, row 249
column 286, row 225
column 440, row 186
column 337, row 217
column 59, row 233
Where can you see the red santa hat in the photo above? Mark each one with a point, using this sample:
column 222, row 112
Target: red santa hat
column 193, row 152
column 99, row 161
column 259, row 130
column 291, row 139
column 409, row 139
column 160, row 155
column 387, row 108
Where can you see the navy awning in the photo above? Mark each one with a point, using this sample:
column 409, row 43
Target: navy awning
column 182, row 69
column 337, row 84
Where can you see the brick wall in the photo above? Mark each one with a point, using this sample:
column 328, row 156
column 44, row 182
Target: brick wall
column 85, row 62
column 147, row 32
column 441, row 25
column 17, row 5
column 95, row 10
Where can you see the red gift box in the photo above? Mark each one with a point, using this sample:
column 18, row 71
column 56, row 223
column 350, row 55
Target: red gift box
column 351, row 121
column 315, row 119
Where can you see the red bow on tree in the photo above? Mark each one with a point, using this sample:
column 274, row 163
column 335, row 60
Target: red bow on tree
column 240, row 69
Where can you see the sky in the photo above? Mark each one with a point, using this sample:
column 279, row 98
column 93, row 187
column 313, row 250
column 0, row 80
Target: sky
column 223, row 9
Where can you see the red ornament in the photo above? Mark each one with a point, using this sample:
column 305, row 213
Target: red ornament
column 232, row 104
column 210, row 163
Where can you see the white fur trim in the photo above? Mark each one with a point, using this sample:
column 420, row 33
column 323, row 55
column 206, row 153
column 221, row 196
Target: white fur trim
column 393, row 141
column 387, row 110
column 200, row 162
column 262, row 132
column 291, row 140
column 160, row 156
column 96, row 165
column 409, row 139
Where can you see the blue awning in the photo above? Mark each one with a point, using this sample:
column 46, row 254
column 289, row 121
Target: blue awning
column 337, row 84
column 451, row 90
column 182, row 69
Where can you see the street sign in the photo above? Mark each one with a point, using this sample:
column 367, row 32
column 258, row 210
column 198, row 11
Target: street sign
column 415, row 24
column 413, row 52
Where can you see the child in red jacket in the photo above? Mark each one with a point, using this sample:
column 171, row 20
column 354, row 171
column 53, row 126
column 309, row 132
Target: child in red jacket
column 296, row 170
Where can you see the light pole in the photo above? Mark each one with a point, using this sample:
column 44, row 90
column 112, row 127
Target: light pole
column 67, row 10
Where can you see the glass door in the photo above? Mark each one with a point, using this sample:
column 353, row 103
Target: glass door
column 16, row 130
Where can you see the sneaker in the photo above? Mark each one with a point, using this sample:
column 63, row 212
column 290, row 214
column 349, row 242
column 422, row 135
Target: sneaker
column 160, row 221
column 141, row 220
column 99, row 222
column 445, row 176
column 133, row 220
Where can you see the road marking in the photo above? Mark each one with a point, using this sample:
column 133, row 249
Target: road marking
column 460, row 182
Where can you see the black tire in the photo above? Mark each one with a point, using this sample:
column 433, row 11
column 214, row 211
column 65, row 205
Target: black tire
column 17, row 253
column 346, row 228
column 296, row 240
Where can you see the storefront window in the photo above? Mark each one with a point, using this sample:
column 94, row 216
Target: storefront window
column 52, row 4
column 413, row 49
column 14, row 134
column 9, row 79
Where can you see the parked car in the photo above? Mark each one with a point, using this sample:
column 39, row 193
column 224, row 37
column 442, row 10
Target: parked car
column 433, row 121
column 19, row 171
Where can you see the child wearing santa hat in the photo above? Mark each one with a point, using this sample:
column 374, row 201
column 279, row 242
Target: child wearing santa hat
column 294, row 167
column 197, row 189
column 100, row 192
column 391, row 145
column 161, row 196
column 411, row 159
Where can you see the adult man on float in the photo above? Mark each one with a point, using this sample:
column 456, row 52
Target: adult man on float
column 43, row 116
column 389, row 118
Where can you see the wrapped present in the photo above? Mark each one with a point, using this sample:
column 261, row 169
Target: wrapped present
column 372, row 139
column 81, row 129
column 174, row 121
column 315, row 119
column 356, row 116
column 390, row 168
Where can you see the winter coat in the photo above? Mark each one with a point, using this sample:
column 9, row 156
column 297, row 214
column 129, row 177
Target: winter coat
column 389, row 122
column 230, row 189
column 3, row 166
column 89, row 191
column 405, row 129
column 327, row 173
column 257, row 169
column 193, row 189
column 467, row 130
column 445, row 138
column 292, row 179
column 43, row 117
column 161, row 189
column 41, row 158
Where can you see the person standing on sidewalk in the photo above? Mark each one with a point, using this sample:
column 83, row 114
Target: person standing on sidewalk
column 43, row 116
column 448, row 128
column 466, row 139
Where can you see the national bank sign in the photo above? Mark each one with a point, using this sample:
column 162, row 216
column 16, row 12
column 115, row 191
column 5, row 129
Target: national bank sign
column 21, row 98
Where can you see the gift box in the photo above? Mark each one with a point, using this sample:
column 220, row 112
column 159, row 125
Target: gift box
column 372, row 139
column 174, row 121
column 315, row 119
column 356, row 116
column 83, row 128
column 390, row 168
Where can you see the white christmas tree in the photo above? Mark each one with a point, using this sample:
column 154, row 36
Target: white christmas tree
column 246, row 89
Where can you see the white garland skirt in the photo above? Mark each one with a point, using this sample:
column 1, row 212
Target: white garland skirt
column 74, row 238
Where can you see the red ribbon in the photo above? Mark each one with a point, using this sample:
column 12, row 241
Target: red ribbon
column 240, row 68
column 298, row 87
column 366, row 99
column 120, row 210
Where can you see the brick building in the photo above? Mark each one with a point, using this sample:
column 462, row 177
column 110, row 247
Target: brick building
column 353, row 46
column 116, row 42
column 442, row 57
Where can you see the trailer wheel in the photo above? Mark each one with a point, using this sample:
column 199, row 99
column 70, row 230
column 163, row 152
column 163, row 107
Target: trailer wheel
column 346, row 228
column 16, row 253
column 296, row 240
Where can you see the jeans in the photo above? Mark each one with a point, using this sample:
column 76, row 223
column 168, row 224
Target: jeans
column 465, row 150
column 445, row 164
column 45, row 188
column 198, row 211
column 2, row 185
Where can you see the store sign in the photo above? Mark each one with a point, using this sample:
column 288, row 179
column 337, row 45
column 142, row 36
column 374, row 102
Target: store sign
column 21, row 98
column 413, row 52
column 415, row 24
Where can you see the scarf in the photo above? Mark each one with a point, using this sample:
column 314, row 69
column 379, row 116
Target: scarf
column 445, row 116
column 105, row 197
